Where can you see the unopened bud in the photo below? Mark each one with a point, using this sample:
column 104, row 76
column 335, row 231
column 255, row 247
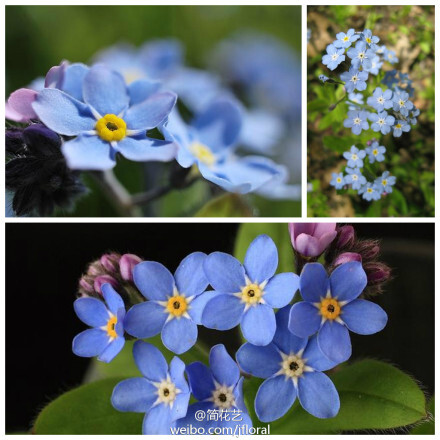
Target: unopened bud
column 377, row 272
column 345, row 237
column 86, row 284
column 103, row 279
column 126, row 265
column 347, row 257
column 110, row 262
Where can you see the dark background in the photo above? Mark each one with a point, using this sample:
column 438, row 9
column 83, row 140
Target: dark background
column 44, row 262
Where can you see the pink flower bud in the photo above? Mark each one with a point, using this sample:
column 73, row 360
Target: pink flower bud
column 346, row 257
column 103, row 279
column 346, row 236
column 110, row 262
column 311, row 239
column 85, row 285
column 127, row 264
column 377, row 272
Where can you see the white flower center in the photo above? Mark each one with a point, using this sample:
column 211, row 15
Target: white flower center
column 354, row 78
column 166, row 392
column 354, row 156
column 335, row 56
column 381, row 121
column 361, row 55
column 354, row 176
column 384, row 182
column 380, row 100
column 223, row 397
column 357, row 121
column 293, row 366
column 402, row 103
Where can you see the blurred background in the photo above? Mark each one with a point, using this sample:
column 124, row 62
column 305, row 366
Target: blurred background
column 39, row 37
column 409, row 32
column 42, row 277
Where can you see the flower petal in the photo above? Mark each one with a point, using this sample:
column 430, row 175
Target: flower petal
column 284, row 339
column 145, row 320
column 179, row 335
column 88, row 153
column 134, row 395
column 63, row 113
column 318, row 396
column 151, row 112
column 153, row 280
column 144, row 149
column 177, row 374
column 198, row 305
column 224, row 272
column 112, row 298
column 364, row 317
column 274, row 398
column 201, row 380
column 315, row 357
column 313, row 282
column 259, row 361
column 261, row 259
column 180, row 406
column 258, row 324
column 90, row 343
column 190, row 418
column 305, row 319
column 91, row 311
column 348, row 281
column 223, row 312
column 308, row 245
column 280, row 289
column 223, row 367
column 73, row 78
column 157, row 421
column 334, row 341
column 142, row 89
column 150, row 361
column 105, row 90
column 112, row 350
column 21, row 102
column 219, row 178
column 190, row 276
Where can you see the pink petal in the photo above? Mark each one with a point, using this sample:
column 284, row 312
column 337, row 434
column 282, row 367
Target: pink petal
column 324, row 228
column 307, row 245
column 21, row 102
column 12, row 115
column 296, row 229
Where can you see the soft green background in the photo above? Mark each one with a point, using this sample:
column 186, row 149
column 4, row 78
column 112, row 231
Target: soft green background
column 38, row 37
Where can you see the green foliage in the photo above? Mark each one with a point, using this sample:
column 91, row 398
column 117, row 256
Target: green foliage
column 426, row 427
column 226, row 205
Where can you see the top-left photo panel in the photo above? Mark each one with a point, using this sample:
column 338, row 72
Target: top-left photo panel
column 153, row 111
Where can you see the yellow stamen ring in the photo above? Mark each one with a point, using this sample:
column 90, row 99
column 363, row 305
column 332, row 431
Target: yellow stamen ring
column 330, row 308
column 111, row 128
column 111, row 327
column 251, row 294
column 177, row 305
column 203, row 153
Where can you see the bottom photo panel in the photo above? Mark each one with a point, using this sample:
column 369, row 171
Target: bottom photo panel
column 230, row 329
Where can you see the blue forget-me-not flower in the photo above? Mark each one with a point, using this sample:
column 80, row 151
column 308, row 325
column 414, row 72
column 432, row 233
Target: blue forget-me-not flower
column 400, row 127
column 385, row 182
column 370, row 192
column 381, row 122
column 354, row 80
column 381, row 100
column 345, row 39
column 334, row 57
column 355, row 178
column 370, row 39
column 401, row 103
column 375, row 152
column 357, row 121
column 338, row 180
column 361, row 55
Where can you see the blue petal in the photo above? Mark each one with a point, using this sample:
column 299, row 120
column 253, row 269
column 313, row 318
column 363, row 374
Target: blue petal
column 73, row 80
column 91, row 311
column 62, row 113
column 112, row 298
column 317, row 395
column 261, row 259
column 223, row 312
column 280, row 290
column 224, row 272
column 134, row 395
column 284, row 339
column 305, row 319
column 274, row 398
column 334, row 341
column 258, row 324
column 198, row 305
column 239, row 396
column 190, row 276
column 150, row 361
column 218, row 177
column 313, row 282
column 153, row 280
column 223, row 367
column 145, row 320
column 219, row 124
column 201, row 380
column 105, row 91
column 177, row 374
column 88, row 153
column 315, row 357
column 112, row 349
column 348, row 281
column 180, row 406
column 151, row 112
column 90, row 343
column 259, row 361
column 142, row 89
column 179, row 335
column 190, row 419
column 143, row 149
column 157, row 421
column 364, row 317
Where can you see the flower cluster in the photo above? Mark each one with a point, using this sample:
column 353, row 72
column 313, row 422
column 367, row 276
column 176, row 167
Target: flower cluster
column 290, row 348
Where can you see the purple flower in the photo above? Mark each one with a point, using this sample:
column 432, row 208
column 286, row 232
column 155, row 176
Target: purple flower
column 311, row 239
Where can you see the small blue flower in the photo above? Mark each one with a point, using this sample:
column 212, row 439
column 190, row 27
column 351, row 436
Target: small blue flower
column 390, row 79
column 175, row 303
column 293, row 367
column 370, row 39
column 414, row 113
column 354, row 80
column 376, row 152
column 401, row 103
column 381, row 122
column 361, row 55
column 106, row 338
column 217, row 389
column 376, row 65
column 369, row 192
column 334, row 57
column 381, row 100
column 357, row 121
column 355, row 178
column 390, row 56
column 162, row 393
column 247, row 294
column 385, row 182
column 345, row 40
column 357, row 98
column 400, row 127
column 331, row 307
column 323, row 78
column 354, row 157
column 338, row 180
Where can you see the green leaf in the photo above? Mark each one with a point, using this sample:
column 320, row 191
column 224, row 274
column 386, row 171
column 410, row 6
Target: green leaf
column 428, row 426
column 226, row 205
column 339, row 144
column 399, row 202
column 373, row 394
column 87, row 410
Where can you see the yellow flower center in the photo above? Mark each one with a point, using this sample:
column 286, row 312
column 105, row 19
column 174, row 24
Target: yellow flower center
column 368, row 40
column 346, row 38
column 111, row 327
column 203, row 153
column 251, row 294
column 330, row 308
column 398, row 125
column 339, row 180
column 384, row 182
column 111, row 128
column 375, row 152
column 177, row 305
column 369, row 190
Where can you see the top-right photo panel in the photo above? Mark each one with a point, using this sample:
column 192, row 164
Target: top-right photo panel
column 370, row 111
